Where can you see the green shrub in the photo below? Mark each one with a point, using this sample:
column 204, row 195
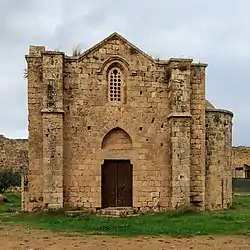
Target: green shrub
column 9, row 178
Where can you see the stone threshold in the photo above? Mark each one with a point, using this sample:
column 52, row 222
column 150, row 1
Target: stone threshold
column 107, row 212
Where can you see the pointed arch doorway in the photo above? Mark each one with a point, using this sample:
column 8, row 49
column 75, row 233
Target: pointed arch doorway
column 117, row 174
column 117, row 183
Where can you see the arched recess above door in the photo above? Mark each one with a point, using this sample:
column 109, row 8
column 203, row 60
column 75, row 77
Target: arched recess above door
column 117, row 138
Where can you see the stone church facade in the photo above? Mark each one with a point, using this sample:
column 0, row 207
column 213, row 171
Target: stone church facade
column 113, row 127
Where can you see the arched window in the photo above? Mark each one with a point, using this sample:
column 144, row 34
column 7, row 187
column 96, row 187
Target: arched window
column 115, row 84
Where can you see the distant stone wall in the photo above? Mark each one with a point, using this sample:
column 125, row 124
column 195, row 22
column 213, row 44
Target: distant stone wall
column 13, row 153
column 240, row 158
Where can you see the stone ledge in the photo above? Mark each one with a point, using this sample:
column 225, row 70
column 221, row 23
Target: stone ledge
column 52, row 111
column 52, row 53
column 180, row 115
column 32, row 56
column 220, row 111
column 241, row 147
column 117, row 211
column 114, row 211
column 199, row 65
column 179, row 60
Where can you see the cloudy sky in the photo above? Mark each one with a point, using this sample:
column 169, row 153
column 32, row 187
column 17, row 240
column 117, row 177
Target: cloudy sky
column 215, row 32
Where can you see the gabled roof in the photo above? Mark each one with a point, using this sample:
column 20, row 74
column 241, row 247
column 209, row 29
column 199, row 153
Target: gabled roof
column 115, row 35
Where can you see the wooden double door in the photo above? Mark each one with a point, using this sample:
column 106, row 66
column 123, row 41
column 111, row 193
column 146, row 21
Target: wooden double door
column 117, row 183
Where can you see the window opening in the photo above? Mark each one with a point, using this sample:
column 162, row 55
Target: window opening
column 115, row 84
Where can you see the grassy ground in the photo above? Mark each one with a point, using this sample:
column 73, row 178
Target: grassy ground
column 10, row 207
column 181, row 223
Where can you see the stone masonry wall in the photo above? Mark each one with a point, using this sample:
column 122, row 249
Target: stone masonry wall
column 197, row 140
column 34, row 191
column 218, row 159
column 52, row 119
column 89, row 116
column 13, row 153
column 240, row 156
column 179, row 123
column 158, row 124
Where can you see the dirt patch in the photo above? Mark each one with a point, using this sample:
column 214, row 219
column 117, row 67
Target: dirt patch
column 18, row 237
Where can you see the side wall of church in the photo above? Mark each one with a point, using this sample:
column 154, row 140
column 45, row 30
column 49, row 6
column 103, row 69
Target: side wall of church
column 218, row 159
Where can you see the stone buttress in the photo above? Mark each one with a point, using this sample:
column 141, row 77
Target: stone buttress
column 180, row 122
column 52, row 121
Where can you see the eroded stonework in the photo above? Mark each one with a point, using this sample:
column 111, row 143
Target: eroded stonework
column 113, row 108
column 13, row 153
column 241, row 162
column 218, row 159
